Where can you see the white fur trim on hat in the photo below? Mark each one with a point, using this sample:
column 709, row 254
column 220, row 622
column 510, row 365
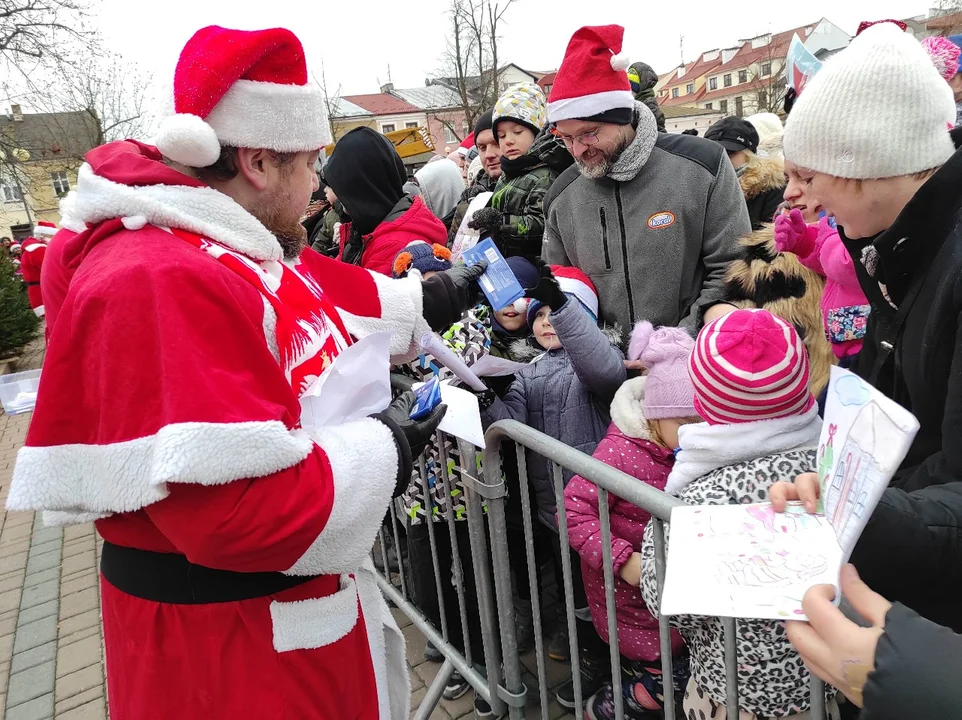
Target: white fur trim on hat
column 878, row 109
column 284, row 118
column 581, row 291
column 589, row 105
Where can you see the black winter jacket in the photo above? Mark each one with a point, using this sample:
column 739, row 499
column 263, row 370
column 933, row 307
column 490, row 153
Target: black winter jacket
column 924, row 371
column 917, row 670
column 911, row 552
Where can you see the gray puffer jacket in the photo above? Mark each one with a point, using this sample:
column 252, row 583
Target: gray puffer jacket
column 566, row 394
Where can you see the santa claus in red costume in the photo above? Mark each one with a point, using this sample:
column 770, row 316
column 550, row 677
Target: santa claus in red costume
column 236, row 580
column 31, row 262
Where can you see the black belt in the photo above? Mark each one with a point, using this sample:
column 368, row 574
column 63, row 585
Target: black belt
column 172, row 578
column 30, row 284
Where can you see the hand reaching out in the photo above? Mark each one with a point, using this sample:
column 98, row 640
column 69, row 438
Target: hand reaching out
column 789, row 229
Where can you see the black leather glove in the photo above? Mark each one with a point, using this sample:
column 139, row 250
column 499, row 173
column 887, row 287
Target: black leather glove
column 410, row 436
column 487, row 221
column 449, row 294
column 547, row 291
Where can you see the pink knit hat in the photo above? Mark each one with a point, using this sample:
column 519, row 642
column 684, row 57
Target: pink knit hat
column 664, row 353
column 747, row 366
column 944, row 54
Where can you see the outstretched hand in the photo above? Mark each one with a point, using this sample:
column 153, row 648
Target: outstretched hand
column 547, row 291
column 833, row 647
column 789, row 229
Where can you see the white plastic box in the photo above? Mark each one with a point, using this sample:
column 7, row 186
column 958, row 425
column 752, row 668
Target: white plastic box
column 18, row 391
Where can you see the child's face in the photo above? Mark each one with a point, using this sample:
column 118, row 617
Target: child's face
column 510, row 319
column 798, row 192
column 543, row 332
column 667, row 429
column 514, row 139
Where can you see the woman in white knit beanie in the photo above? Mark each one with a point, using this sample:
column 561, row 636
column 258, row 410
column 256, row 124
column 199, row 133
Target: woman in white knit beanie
column 870, row 133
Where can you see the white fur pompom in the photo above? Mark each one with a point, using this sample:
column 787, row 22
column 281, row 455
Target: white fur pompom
column 521, row 305
column 188, row 140
column 621, row 61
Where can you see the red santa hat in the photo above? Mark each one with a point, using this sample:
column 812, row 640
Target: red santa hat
column 592, row 82
column 44, row 229
column 573, row 283
column 243, row 89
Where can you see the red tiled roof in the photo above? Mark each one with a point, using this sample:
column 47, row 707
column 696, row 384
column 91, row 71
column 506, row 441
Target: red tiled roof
column 683, row 99
column 701, row 67
column 547, row 79
column 382, row 104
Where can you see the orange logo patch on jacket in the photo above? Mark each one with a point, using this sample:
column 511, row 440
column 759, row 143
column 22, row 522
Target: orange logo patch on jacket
column 661, row 220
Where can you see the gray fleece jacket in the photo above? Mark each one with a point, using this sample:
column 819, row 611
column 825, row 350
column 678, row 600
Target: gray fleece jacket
column 566, row 394
column 656, row 235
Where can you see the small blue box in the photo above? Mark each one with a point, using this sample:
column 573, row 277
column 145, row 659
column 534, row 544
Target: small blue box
column 426, row 398
column 498, row 283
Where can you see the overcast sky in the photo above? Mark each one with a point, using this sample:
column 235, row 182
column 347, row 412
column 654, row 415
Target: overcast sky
column 358, row 39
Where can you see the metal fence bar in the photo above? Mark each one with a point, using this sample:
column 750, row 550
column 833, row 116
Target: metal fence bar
column 429, row 521
column 457, row 569
column 533, row 585
column 400, row 558
column 604, row 516
column 730, row 626
column 568, row 587
column 435, row 691
column 664, row 624
column 482, row 576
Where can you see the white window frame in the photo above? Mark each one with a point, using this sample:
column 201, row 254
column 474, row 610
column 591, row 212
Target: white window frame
column 411, row 125
column 60, row 181
column 690, row 88
column 9, row 192
column 450, row 136
column 674, row 92
column 713, row 83
column 385, row 126
column 766, row 69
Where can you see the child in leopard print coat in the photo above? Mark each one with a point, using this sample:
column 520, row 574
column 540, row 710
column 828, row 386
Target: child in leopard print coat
column 751, row 377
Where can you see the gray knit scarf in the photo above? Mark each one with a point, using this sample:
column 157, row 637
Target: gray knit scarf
column 634, row 157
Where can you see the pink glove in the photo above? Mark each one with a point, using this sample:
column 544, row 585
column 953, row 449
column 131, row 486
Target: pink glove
column 789, row 229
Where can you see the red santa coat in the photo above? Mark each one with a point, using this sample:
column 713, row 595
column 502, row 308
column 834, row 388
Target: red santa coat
column 31, row 261
column 166, row 412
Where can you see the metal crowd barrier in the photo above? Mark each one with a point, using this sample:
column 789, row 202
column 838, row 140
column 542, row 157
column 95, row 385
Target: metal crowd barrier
column 502, row 685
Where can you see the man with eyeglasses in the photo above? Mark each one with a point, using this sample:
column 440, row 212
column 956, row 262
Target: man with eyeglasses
column 652, row 218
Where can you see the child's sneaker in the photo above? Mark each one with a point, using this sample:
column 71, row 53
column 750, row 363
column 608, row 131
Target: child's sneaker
column 483, row 711
column 559, row 647
column 601, row 706
column 594, row 674
column 457, row 686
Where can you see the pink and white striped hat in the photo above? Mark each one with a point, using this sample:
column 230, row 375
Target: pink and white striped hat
column 748, row 366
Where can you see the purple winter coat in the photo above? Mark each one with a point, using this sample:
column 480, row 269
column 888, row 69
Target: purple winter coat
column 628, row 447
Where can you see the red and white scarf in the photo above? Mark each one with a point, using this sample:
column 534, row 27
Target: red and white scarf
column 309, row 331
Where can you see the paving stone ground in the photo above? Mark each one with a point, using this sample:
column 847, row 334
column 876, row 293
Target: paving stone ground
column 51, row 639
column 51, row 646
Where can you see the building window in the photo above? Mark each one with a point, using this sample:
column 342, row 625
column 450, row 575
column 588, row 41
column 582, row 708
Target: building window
column 10, row 193
column 739, row 107
column 723, row 106
column 708, row 106
column 674, row 92
column 449, row 136
column 727, row 80
column 713, row 83
column 743, row 76
column 762, row 100
column 766, row 69
column 690, row 88
column 410, row 125
column 61, row 185
column 388, row 127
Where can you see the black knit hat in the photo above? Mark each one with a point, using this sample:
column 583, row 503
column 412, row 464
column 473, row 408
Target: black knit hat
column 484, row 123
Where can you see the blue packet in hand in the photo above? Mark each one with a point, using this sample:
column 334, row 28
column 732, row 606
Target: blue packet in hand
column 426, row 398
column 498, row 283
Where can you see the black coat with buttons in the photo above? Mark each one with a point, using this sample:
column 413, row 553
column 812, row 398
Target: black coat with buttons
column 923, row 372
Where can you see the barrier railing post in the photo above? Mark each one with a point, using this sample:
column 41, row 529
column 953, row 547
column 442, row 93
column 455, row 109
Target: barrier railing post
column 730, row 626
column 432, row 542
column 604, row 516
column 568, row 588
column 664, row 625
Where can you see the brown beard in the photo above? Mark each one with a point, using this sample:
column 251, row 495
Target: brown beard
column 596, row 171
column 289, row 232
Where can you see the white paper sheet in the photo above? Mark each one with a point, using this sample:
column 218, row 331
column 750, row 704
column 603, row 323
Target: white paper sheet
column 748, row 561
column 466, row 238
column 357, row 384
column 463, row 417
column 493, row 366
column 432, row 344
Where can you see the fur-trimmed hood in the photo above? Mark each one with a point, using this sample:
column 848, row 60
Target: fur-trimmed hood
column 627, row 410
column 128, row 180
column 762, row 175
column 527, row 350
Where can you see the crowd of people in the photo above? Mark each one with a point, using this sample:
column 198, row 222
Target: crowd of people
column 684, row 300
